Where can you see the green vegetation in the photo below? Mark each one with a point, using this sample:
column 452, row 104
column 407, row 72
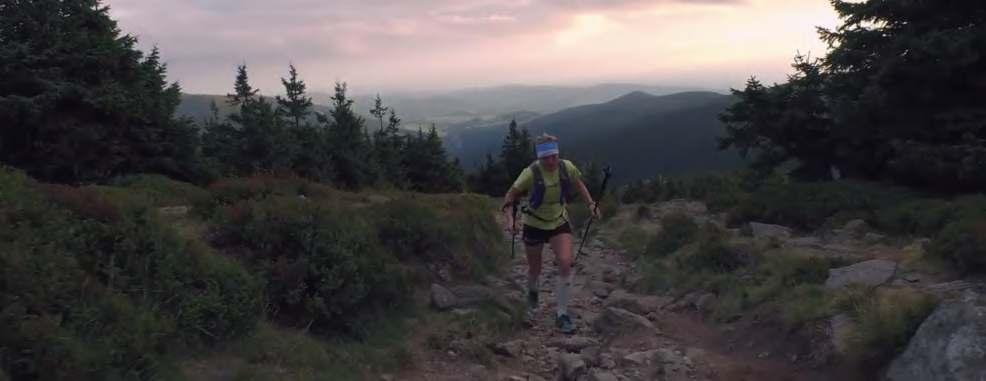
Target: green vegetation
column 103, row 290
column 886, row 321
column 890, row 100
column 677, row 230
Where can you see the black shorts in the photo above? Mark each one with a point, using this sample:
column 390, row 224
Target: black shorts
column 534, row 236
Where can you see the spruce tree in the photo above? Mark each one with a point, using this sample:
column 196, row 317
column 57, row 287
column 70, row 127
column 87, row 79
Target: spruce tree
column 295, row 105
column 351, row 156
column 80, row 103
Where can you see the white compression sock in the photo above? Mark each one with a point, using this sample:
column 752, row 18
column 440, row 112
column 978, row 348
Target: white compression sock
column 564, row 283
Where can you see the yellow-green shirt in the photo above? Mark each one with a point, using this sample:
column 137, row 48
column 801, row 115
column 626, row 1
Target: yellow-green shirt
column 551, row 209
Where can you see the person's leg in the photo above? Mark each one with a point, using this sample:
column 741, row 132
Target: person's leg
column 533, row 245
column 533, row 267
column 561, row 244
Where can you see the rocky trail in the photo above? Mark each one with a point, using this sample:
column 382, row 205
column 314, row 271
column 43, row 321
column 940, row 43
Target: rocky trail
column 620, row 336
column 626, row 336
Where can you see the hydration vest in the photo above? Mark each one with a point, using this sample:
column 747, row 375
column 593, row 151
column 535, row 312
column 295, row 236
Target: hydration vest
column 538, row 189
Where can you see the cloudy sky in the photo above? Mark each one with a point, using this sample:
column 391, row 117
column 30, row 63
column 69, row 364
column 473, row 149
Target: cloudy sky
column 379, row 45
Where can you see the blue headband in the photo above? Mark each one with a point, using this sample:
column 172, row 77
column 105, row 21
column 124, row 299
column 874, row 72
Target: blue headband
column 547, row 149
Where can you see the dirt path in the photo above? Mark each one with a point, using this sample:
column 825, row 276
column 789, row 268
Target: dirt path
column 621, row 336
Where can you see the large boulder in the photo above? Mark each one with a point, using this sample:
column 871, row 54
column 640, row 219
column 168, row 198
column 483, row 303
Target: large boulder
column 869, row 273
column 949, row 346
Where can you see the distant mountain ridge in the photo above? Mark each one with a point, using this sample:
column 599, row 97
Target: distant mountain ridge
column 639, row 134
column 459, row 106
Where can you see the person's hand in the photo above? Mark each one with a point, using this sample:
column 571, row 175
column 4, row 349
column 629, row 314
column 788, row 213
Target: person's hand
column 594, row 209
column 511, row 226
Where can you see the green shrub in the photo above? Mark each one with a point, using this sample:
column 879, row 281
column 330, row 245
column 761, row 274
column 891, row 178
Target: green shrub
column 323, row 266
column 810, row 205
column 713, row 255
column 455, row 229
column 226, row 192
column 963, row 244
column 677, row 230
column 162, row 191
column 920, row 217
column 91, row 291
column 886, row 323
column 805, row 303
column 634, row 240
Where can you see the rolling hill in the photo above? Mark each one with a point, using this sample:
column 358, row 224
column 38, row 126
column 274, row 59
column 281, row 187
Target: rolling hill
column 639, row 134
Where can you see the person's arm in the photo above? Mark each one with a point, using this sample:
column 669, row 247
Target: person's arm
column 509, row 202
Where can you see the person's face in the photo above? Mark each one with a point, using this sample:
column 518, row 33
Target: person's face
column 550, row 162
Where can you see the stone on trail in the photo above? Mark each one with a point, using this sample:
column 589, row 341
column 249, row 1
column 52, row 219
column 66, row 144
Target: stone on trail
column 869, row 273
column 639, row 304
column 770, row 231
column 600, row 289
column 571, row 366
column 441, row 298
column 617, row 320
column 599, row 375
column 513, row 348
column 573, row 343
column 949, row 345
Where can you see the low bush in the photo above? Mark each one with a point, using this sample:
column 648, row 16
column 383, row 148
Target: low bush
column 634, row 240
column 456, row 230
column 963, row 244
column 808, row 206
column 323, row 267
column 91, row 291
column 886, row 323
column 161, row 191
column 677, row 230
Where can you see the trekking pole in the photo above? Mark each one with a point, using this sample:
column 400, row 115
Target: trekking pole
column 602, row 193
column 513, row 230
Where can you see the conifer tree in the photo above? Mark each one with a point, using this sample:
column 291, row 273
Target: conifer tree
column 295, row 105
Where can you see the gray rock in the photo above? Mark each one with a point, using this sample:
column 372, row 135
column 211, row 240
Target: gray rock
column 640, row 358
column 950, row 345
column 478, row 372
column 600, row 289
column 573, row 343
column 611, row 274
column 912, row 278
column 841, row 327
column 682, row 206
column 770, row 231
column 856, row 228
column 442, row 298
column 606, row 361
column 869, row 273
column 874, row 238
column 174, row 211
column 617, row 320
column 944, row 290
column 705, row 302
column 571, row 366
column 471, row 295
column 513, row 348
column 600, row 375
column 639, row 304
column 805, row 242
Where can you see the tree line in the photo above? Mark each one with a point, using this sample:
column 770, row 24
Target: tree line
column 898, row 97
column 81, row 104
